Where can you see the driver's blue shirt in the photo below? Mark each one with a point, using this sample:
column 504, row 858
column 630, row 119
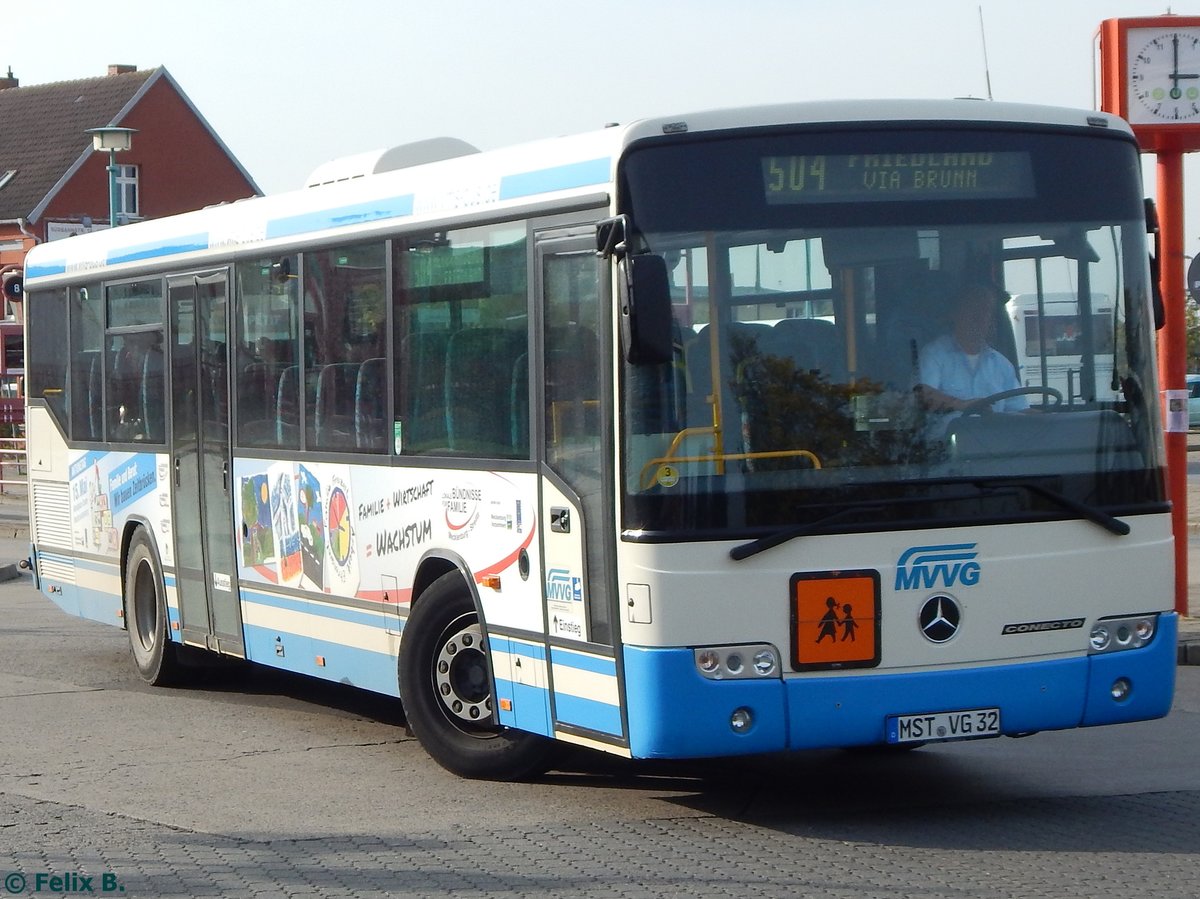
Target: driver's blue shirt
column 945, row 366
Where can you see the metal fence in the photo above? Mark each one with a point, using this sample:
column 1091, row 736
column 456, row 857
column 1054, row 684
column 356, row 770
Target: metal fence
column 13, row 469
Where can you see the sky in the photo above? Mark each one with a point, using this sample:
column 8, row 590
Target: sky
column 289, row 84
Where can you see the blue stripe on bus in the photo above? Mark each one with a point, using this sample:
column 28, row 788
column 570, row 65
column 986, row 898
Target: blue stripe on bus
column 314, row 607
column 46, row 269
column 676, row 713
column 168, row 246
column 349, row 665
column 372, row 210
column 515, row 647
column 530, row 707
column 598, row 716
column 595, row 664
column 97, row 605
column 559, row 177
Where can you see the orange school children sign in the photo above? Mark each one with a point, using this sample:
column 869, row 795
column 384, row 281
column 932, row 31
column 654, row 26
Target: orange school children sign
column 835, row 619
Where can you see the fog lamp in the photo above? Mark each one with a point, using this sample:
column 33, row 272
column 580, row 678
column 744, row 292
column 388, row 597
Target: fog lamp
column 741, row 720
column 1120, row 689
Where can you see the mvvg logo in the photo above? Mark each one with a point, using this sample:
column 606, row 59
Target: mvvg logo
column 562, row 587
column 925, row 567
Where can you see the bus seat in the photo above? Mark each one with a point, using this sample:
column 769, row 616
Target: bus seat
column 423, row 366
column 123, row 402
column 370, row 399
column 519, row 403
column 697, row 356
column 821, row 343
column 572, row 383
column 257, row 387
column 287, row 407
column 256, row 390
column 333, row 405
column 740, row 343
column 153, row 397
column 791, row 347
column 87, row 405
column 479, row 368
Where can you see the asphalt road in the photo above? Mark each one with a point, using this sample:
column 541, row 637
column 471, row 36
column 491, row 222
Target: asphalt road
column 264, row 784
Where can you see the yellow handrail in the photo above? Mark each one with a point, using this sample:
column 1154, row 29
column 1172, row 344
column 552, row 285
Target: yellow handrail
column 722, row 457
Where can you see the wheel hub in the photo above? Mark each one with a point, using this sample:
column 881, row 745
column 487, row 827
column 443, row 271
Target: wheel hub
column 460, row 673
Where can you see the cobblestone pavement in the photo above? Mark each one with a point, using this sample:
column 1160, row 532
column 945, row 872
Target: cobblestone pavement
column 1080, row 847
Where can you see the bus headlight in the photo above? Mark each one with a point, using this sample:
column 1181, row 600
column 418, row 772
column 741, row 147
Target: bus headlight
column 1124, row 632
column 765, row 662
column 743, row 662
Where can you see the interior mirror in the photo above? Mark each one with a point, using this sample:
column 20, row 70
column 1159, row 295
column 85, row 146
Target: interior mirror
column 645, row 296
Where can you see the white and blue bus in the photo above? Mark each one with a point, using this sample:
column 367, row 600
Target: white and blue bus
column 612, row 439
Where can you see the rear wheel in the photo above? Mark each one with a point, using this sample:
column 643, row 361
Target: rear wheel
column 446, row 686
column 154, row 655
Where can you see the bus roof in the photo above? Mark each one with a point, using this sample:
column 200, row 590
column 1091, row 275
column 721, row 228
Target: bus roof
column 560, row 173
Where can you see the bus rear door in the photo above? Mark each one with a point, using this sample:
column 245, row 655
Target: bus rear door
column 206, row 571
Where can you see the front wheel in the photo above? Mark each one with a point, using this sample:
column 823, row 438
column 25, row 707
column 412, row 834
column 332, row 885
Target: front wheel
column 446, row 687
column 146, row 619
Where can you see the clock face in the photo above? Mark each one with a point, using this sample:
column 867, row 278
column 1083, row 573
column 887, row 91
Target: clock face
column 1163, row 76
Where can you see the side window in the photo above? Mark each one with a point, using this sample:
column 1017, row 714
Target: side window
column 47, row 351
column 462, row 335
column 86, row 398
column 267, row 353
column 345, row 339
column 135, row 399
column 571, row 290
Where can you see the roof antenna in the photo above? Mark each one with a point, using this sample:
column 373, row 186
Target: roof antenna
column 987, row 72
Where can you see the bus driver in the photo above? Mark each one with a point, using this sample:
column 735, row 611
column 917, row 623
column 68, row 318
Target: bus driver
column 958, row 368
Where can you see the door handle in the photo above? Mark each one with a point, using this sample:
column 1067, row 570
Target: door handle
column 560, row 520
column 176, row 471
column 225, row 476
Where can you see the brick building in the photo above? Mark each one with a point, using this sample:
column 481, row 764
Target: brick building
column 53, row 184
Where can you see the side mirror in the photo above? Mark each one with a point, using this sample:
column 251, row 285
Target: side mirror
column 1160, row 310
column 644, row 292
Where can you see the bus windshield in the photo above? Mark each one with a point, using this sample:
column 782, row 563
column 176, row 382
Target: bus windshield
column 817, row 280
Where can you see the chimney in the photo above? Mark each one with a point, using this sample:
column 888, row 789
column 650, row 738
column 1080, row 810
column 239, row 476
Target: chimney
column 9, row 81
column 121, row 70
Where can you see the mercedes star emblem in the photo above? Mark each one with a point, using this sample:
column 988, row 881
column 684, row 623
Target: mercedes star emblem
column 939, row 618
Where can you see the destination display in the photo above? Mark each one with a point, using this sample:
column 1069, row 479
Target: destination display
column 884, row 177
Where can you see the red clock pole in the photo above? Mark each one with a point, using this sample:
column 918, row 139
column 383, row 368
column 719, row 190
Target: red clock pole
column 1150, row 75
column 1172, row 352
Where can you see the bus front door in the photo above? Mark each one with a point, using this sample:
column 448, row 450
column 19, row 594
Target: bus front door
column 206, row 572
column 575, row 493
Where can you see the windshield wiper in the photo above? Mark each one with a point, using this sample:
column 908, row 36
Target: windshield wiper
column 1083, row 510
column 754, row 547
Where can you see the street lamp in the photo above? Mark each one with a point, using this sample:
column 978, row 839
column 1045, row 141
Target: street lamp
column 113, row 139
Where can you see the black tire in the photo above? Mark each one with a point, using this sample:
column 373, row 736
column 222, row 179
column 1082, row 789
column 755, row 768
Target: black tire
column 446, row 684
column 154, row 655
